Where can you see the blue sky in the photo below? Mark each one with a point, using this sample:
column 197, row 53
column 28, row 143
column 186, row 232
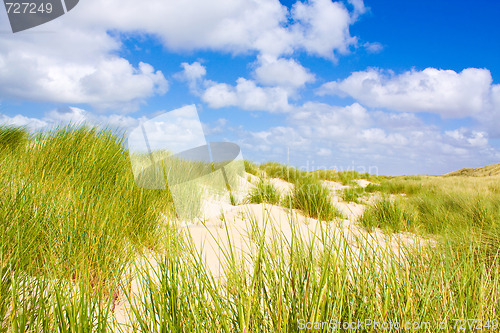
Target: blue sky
column 403, row 87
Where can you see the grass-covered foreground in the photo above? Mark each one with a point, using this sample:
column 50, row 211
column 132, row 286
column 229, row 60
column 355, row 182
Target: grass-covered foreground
column 73, row 226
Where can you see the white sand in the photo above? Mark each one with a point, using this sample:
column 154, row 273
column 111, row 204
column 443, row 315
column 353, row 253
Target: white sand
column 210, row 236
column 363, row 182
column 282, row 186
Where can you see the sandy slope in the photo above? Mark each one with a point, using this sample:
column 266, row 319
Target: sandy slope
column 210, row 235
column 223, row 227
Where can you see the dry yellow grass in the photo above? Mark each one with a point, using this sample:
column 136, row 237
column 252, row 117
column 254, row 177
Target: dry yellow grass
column 489, row 170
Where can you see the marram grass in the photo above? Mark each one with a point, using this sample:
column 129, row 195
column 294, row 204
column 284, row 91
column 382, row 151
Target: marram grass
column 68, row 200
column 293, row 284
column 72, row 223
column 314, row 199
column 264, row 191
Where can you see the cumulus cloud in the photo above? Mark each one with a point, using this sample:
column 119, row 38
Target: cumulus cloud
column 354, row 126
column 76, row 59
column 286, row 73
column 71, row 116
column 468, row 138
column 72, row 64
column 322, row 27
column 319, row 27
column 247, row 96
column 228, row 25
column 359, row 6
column 116, row 81
column 445, row 92
column 490, row 120
column 22, row 121
column 109, row 83
column 390, row 142
column 193, row 74
column 326, row 121
column 194, row 71
column 280, row 79
column 77, row 116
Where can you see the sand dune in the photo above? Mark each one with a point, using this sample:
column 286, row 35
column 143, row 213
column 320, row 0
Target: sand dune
column 224, row 227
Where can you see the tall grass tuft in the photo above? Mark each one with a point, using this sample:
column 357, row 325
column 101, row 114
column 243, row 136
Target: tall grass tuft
column 441, row 205
column 352, row 194
column 69, row 201
column 12, row 137
column 396, row 186
column 278, row 170
column 264, row 192
column 314, row 199
column 295, row 285
column 251, row 167
column 388, row 214
column 346, row 177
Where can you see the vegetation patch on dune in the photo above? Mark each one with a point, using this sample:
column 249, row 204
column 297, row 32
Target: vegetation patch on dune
column 264, row 192
column 440, row 204
column 314, row 199
column 70, row 195
column 489, row 170
column 74, row 227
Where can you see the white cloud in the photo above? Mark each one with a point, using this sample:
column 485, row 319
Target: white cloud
column 247, row 96
column 400, row 120
column 379, row 136
column 280, row 77
column 109, row 82
column 70, row 115
column 468, row 138
column 285, row 73
column 22, row 121
column 275, row 140
column 193, row 74
column 495, row 93
column 194, row 71
column 389, row 142
column 217, row 127
column 373, row 47
column 73, row 63
column 76, row 116
column 322, row 27
column 116, row 81
column 75, row 59
column 228, row 25
column 176, row 131
column 359, row 6
column 328, row 122
column 490, row 120
column 220, row 95
column 445, row 92
column 324, row 152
